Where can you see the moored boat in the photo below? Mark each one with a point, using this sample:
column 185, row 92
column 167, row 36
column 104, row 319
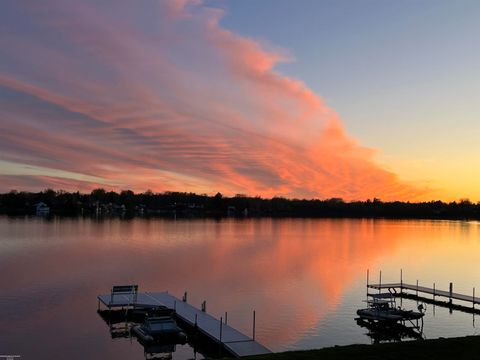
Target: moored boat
column 159, row 328
column 382, row 308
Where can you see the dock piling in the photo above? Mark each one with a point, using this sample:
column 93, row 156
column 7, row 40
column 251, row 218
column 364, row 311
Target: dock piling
column 473, row 299
column 226, row 316
column 450, row 291
column 220, row 339
column 401, row 280
column 221, row 327
column 184, row 299
column 253, row 324
column 473, row 306
column 368, row 273
column 380, row 282
column 204, row 306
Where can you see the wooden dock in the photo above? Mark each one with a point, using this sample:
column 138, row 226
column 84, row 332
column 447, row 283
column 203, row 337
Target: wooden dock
column 237, row 343
column 398, row 288
column 415, row 291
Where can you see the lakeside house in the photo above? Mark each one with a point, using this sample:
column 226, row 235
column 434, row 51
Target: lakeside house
column 42, row 209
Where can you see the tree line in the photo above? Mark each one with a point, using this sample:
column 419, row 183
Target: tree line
column 100, row 202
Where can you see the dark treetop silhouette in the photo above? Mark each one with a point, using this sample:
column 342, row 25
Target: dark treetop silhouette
column 110, row 203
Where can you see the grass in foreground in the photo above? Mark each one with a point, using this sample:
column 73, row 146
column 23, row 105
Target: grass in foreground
column 452, row 348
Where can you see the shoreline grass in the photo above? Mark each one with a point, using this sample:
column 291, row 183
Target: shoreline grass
column 467, row 347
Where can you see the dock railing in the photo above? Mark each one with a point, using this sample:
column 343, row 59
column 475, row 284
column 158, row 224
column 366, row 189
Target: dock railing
column 129, row 290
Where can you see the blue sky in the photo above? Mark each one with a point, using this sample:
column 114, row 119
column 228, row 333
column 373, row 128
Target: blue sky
column 403, row 75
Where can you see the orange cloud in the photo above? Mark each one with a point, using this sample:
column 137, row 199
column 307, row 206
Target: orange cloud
column 174, row 102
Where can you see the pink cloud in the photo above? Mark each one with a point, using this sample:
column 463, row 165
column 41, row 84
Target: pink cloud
column 164, row 98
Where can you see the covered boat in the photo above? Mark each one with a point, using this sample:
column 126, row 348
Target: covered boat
column 138, row 314
column 382, row 308
column 160, row 328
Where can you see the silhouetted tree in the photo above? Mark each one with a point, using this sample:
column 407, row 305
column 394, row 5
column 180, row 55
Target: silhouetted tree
column 98, row 195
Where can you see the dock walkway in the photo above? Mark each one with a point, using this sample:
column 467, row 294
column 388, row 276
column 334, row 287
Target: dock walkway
column 393, row 287
column 233, row 340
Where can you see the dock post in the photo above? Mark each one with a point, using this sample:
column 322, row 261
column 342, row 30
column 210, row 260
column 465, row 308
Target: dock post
column 401, row 281
column 450, row 293
column 221, row 326
column 417, row 289
column 220, row 343
column 368, row 273
column 253, row 324
column 433, row 291
column 204, row 306
column 226, row 317
column 473, row 306
column 473, row 299
column 184, row 297
column 380, row 283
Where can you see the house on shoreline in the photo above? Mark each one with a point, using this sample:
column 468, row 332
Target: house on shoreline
column 42, row 209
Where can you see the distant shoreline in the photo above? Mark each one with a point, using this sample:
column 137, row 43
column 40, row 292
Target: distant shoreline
column 100, row 203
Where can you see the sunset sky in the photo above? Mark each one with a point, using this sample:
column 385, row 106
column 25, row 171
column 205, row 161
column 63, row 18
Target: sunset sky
column 309, row 99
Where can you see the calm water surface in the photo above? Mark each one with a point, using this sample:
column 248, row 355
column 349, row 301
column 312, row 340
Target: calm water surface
column 304, row 277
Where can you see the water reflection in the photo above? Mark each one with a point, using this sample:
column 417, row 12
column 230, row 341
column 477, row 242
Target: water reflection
column 120, row 325
column 304, row 277
column 381, row 333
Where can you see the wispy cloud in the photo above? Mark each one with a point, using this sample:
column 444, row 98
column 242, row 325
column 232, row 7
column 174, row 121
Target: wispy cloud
column 159, row 96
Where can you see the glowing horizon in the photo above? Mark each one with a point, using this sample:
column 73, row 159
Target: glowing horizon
column 165, row 98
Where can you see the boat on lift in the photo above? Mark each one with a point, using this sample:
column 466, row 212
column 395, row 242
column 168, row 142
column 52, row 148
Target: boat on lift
column 159, row 328
column 382, row 308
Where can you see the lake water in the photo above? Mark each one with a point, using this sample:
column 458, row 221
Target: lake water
column 304, row 277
